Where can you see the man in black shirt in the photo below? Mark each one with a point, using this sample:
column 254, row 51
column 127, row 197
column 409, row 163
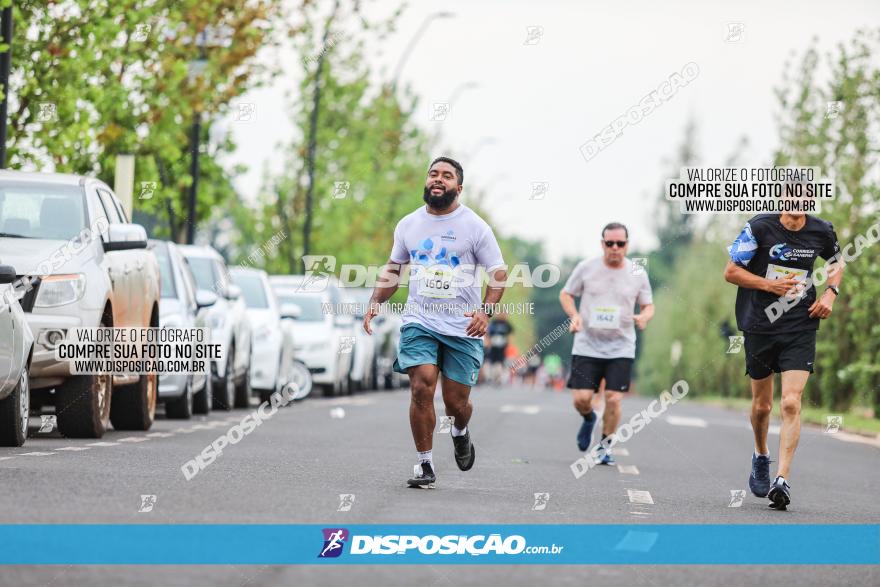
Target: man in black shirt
column 778, row 310
column 499, row 337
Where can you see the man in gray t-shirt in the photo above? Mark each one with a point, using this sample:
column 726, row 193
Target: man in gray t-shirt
column 605, row 338
column 444, row 244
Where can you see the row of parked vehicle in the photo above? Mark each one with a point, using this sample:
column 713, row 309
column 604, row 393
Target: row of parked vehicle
column 70, row 258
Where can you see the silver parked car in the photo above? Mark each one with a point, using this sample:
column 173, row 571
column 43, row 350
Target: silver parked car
column 16, row 346
column 81, row 263
column 183, row 393
column 229, row 325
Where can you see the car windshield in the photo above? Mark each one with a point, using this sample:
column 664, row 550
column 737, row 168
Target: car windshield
column 203, row 270
column 312, row 310
column 44, row 211
column 165, row 274
column 252, row 288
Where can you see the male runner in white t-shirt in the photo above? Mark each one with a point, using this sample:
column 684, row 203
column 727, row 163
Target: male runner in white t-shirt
column 445, row 243
column 605, row 338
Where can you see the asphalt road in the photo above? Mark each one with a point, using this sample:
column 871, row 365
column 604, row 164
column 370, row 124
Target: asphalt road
column 294, row 467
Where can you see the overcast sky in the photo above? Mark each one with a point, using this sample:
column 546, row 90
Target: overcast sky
column 543, row 94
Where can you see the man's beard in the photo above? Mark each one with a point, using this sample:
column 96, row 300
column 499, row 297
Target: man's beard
column 439, row 202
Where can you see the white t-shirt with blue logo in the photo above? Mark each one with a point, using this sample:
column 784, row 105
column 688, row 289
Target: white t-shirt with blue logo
column 445, row 253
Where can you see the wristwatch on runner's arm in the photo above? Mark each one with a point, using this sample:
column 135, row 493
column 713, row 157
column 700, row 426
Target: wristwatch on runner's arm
column 834, row 289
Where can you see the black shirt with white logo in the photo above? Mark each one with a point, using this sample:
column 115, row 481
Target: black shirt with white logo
column 767, row 249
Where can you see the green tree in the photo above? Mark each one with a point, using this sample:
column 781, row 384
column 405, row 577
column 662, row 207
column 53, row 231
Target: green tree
column 96, row 78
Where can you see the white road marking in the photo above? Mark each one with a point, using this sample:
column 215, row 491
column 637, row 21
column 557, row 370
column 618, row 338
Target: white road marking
column 350, row 401
column 160, row 434
column 686, row 421
column 641, row 513
column 639, row 496
column 849, row 437
column 6, row 458
column 73, row 448
column 530, row 410
column 628, row 469
column 103, row 443
column 35, row 454
column 185, row 430
column 133, row 439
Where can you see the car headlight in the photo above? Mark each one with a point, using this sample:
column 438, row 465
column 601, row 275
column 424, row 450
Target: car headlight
column 58, row 290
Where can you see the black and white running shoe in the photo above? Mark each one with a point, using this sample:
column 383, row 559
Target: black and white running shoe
column 423, row 475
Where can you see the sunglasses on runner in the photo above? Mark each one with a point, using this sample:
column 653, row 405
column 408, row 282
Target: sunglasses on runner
column 620, row 244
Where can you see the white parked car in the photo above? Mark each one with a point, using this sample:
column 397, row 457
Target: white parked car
column 184, row 394
column 387, row 330
column 272, row 349
column 229, row 325
column 16, row 345
column 324, row 341
column 81, row 263
column 367, row 348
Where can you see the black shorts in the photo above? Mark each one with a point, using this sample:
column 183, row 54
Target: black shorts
column 775, row 353
column 588, row 373
column 495, row 354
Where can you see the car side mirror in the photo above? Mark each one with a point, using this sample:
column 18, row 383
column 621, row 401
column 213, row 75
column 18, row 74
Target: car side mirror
column 234, row 292
column 205, row 298
column 125, row 237
column 290, row 311
column 7, row 274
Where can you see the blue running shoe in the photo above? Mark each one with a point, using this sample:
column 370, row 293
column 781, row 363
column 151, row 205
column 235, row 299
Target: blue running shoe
column 780, row 494
column 759, row 479
column 607, row 459
column 585, row 434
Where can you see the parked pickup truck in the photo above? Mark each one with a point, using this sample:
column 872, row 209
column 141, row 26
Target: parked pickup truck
column 81, row 263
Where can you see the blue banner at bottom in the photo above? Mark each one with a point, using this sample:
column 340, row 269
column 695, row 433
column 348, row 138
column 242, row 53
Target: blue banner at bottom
column 618, row 544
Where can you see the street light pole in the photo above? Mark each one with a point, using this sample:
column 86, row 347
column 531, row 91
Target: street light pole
column 195, row 133
column 5, row 65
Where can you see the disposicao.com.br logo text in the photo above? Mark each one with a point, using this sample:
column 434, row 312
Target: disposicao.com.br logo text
column 431, row 544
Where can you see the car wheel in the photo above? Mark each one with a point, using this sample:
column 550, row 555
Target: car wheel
column 243, row 390
column 301, row 377
column 202, row 399
column 181, row 408
column 224, row 388
column 82, row 409
column 134, row 406
column 374, row 375
column 14, row 412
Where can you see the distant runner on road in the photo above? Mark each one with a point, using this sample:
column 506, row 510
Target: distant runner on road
column 444, row 242
column 499, row 338
column 605, row 338
column 772, row 256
